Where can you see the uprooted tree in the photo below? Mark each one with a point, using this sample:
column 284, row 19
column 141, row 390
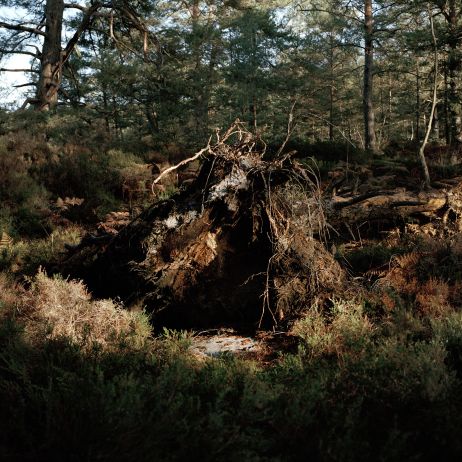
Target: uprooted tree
column 243, row 243
column 246, row 241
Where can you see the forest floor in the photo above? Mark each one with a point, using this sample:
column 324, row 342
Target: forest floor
column 275, row 307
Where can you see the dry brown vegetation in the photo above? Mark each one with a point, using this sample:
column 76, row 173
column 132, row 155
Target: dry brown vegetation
column 54, row 308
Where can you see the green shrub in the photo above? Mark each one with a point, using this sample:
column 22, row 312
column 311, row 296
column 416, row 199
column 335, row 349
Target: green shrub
column 25, row 257
column 84, row 174
column 23, row 200
column 345, row 329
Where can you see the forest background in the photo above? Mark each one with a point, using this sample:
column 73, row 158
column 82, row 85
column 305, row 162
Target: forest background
column 351, row 227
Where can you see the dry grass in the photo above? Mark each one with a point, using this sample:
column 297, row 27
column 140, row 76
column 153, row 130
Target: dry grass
column 55, row 308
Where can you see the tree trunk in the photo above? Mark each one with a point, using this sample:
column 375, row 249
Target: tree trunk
column 51, row 58
column 332, row 87
column 369, row 118
column 434, row 103
column 454, row 65
column 436, row 125
column 447, row 118
column 417, row 101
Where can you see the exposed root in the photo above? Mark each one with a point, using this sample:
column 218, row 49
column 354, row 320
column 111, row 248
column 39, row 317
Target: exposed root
column 244, row 243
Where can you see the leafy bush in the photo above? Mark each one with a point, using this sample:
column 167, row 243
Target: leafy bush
column 355, row 391
column 344, row 330
column 82, row 173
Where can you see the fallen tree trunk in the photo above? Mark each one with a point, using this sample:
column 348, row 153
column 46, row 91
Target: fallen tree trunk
column 359, row 195
column 386, row 205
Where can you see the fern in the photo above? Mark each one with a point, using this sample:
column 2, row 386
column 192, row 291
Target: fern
column 407, row 260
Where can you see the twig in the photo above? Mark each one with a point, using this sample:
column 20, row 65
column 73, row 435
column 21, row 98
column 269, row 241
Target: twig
column 177, row 166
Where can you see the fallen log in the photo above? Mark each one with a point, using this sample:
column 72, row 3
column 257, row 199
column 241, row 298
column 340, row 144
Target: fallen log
column 394, row 205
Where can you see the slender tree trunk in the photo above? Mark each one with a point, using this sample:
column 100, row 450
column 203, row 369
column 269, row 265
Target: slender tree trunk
column 390, row 106
column 447, row 116
column 51, row 58
column 369, row 118
column 106, row 110
column 196, row 50
column 332, row 88
column 210, row 83
column 201, row 73
column 434, row 103
column 454, row 65
column 436, row 125
column 417, row 101
column 253, row 107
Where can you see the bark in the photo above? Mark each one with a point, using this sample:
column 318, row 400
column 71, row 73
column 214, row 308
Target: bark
column 332, row 87
column 52, row 58
column 417, row 101
column 197, row 54
column 369, row 117
column 436, row 125
column 447, row 118
column 385, row 206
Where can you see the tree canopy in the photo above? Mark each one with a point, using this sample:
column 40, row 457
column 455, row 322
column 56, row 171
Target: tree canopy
column 360, row 71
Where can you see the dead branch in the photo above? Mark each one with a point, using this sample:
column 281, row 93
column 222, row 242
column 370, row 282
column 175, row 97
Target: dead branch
column 290, row 128
column 180, row 164
column 22, row 28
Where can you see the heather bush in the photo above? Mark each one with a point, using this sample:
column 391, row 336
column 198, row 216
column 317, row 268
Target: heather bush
column 54, row 308
column 23, row 200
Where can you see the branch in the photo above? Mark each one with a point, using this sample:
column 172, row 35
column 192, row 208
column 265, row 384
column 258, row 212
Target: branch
column 434, row 103
column 3, row 69
column 38, row 51
column 19, row 52
column 333, row 13
column 362, row 197
column 31, row 101
column 20, row 28
column 86, row 22
column 177, row 166
column 76, row 6
column 290, row 128
column 30, row 84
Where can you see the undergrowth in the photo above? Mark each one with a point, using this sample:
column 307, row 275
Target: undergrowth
column 376, row 378
column 25, row 257
column 80, row 379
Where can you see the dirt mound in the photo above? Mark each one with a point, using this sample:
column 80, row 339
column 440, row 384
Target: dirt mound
column 242, row 244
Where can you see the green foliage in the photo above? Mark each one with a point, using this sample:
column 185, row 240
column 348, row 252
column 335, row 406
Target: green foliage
column 354, row 389
column 26, row 257
column 22, row 199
